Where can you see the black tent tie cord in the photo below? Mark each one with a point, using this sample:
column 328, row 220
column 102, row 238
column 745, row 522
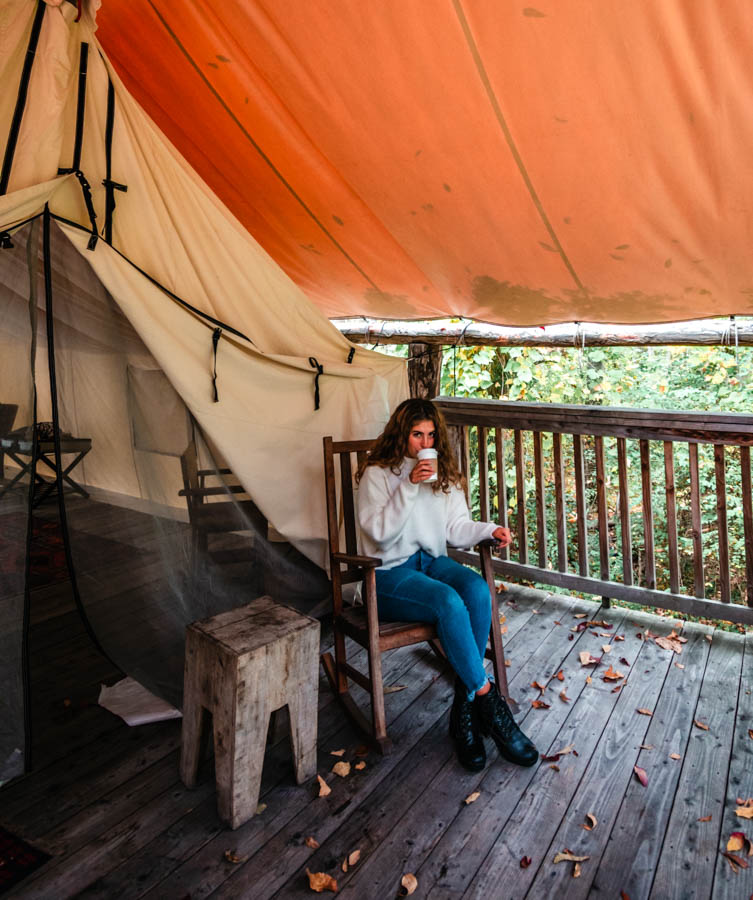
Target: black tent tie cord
column 314, row 363
column 351, row 354
column 216, row 335
column 5, row 242
column 86, row 190
column 110, row 185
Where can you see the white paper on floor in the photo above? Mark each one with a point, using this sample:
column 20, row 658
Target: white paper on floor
column 135, row 704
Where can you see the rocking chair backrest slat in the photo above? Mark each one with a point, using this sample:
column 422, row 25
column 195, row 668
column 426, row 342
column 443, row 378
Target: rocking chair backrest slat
column 349, row 510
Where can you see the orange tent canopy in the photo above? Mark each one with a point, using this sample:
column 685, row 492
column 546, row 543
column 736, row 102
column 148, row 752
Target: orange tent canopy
column 584, row 160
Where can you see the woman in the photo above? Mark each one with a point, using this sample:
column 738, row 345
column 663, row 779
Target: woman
column 408, row 523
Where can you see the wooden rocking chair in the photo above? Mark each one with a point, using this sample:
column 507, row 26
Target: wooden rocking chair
column 361, row 623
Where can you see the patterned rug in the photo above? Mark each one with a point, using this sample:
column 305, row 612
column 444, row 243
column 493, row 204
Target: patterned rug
column 17, row 860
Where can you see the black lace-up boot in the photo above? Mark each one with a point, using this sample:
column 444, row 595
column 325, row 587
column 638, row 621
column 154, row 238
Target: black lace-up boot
column 496, row 720
column 464, row 730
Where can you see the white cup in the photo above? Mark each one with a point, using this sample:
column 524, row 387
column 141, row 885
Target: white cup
column 429, row 453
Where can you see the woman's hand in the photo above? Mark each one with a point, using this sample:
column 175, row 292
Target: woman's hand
column 503, row 535
column 423, row 469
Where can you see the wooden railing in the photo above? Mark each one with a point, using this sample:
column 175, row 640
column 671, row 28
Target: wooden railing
column 584, row 474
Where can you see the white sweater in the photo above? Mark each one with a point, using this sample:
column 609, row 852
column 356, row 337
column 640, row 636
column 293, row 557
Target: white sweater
column 398, row 517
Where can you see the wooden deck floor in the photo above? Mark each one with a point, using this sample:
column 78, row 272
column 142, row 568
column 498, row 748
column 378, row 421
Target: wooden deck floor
column 106, row 801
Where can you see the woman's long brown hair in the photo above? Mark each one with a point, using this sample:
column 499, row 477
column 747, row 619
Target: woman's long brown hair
column 391, row 446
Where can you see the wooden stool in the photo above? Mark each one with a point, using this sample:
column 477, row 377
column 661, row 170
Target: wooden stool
column 240, row 666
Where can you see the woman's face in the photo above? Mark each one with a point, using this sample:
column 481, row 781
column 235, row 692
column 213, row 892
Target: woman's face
column 421, row 435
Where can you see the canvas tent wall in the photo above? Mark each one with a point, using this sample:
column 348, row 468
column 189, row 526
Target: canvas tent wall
column 177, row 331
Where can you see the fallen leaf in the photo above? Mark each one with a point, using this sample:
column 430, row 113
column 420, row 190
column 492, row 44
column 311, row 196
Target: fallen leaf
column 361, row 765
column 320, row 881
column 745, row 812
column 502, row 619
column 507, row 662
column 234, row 858
column 570, row 748
column 616, row 689
column 525, row 862
column 539, row 687
column 567, row 856
column 591, row 823
column 606, row 648
column 675, row 756
column 679, row 665
column 539, row 704
column 589, row 679
column 312, row 842
column 736, row 841
column 351, row 860
column 612, row 675
column 669, row 643
column 708, row 637
column 260, row 808
column 503, row 629
column 324, row 788
column 342, row 769
column 750, row 733
column 535, row 612
column 560, row 676
column 570, row 637
column 336, row 752
column 700, row 725
column 577, row 870
column 644, row 712
column 704, row 819
column 641, row 775
column 587, row 660
column 624, row 896
column 394, row 688
column 564, row 697
column 647, row 746
column 735, row 861
column 555, row 767
column 501, row 589
column 409, row 884
column 472, row 797
column 619, row 637
column 624, row 661
column 580, row 615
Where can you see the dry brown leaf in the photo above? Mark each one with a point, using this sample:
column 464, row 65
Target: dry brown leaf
column 312, row 842
column 342, row 769
column 560, row 676
column 675, row 756
column 507, row 662
column 320, row 881
column 750, row 733
column 587, row 660
column 624, row 896
column 588, row 679
column 577, row 870
column 337, row 752
column 700, row 725
column 647, row 746
column 745, row 812
column 735, row 861
column 555, row 767
column 612, row 675
column 580, row 615
column 564, row 697
column 644, row 712
column 606, row 648
column 361, row 765
column 591, row 823
column 567, row 856
column 324, row 789
column 619, row 637
column 736, row 841
column 539, row 704
column 704, row 819
column 234, row 858
column 539, row 687
column 708, row 637
column 535, row 612
column 669, row 643
column 616, row 689
column 501, row 589
column 565, row 750
column 354, row 857
column 525, row 862
column 679, row 665
column 394, row 688
column 641, row 775
column 409, row 883
column 502, row 619
column 503, row 629
column 472, row 797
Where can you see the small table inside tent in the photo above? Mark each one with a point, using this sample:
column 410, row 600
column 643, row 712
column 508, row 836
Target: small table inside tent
column 21, row 451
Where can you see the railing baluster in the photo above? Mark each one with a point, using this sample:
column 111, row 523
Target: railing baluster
column 483, row 474
column 499, row 446
column 580, row 504
column 648, row 516
column 626, row 536
column 520, row 483
column 696, row 522
column 721, row 522
column 538, row 467
column 601, row 507
column 747, row 519
column 669, row 487
column 559, row 501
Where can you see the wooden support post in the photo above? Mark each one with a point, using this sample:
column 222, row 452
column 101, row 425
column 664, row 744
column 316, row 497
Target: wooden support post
column 424, row 370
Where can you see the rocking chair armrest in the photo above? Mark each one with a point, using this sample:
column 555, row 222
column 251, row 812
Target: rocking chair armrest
column 352, row 559
column 491, row 543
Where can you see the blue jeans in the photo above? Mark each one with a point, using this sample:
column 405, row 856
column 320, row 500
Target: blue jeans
column 454, row 598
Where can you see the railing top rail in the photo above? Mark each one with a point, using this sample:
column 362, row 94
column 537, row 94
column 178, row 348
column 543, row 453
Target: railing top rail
column 656, row 424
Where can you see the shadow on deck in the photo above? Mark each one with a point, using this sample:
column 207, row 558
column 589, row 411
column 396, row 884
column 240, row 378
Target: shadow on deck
column 108, row 805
